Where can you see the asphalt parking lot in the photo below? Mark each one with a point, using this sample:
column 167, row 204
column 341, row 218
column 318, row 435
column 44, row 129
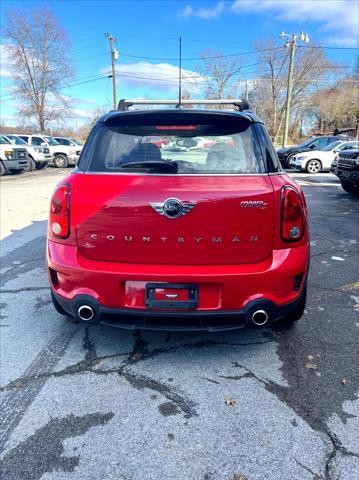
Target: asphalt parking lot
column 92, row 402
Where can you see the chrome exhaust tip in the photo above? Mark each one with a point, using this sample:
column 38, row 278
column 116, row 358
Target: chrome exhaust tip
column 86, row 313
column 260, row 318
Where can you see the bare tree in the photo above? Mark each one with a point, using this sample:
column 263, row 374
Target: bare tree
column 337, row 106
column 39, row 50
column 310, row 71
column 220, row 74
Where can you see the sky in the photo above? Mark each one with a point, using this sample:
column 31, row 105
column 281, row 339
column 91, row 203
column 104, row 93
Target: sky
column 147, row 34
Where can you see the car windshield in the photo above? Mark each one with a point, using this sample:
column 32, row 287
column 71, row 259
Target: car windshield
column 4, row 140
column 331, row 146
column 17, row 140
column 214, row 146
column 51, row 141
column 76, row 142
column 307, row 142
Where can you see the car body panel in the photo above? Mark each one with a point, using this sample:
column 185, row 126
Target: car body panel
column 115, row 220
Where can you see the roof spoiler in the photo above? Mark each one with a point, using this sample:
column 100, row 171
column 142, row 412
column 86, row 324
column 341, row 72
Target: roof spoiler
column 124, row 104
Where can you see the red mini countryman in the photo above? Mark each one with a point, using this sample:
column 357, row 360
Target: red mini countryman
column 212, row 238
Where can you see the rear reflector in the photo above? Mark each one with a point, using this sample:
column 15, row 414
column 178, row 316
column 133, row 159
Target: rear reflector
column 59, row 222
column 292, row 224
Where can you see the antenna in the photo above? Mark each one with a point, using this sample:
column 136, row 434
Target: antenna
column 180, row 75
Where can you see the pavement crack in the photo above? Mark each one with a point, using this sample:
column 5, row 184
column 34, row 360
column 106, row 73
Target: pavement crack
column 170, row 393
column 89, row 346
column 315, row 475
column 25, row 289
column 237, row 377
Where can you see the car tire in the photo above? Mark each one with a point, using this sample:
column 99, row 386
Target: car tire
column 60, row 161
column 31, row 165
column 58, row 307
column 41, row 165
column 313, row 166
column 349, row 187
column 2, row 169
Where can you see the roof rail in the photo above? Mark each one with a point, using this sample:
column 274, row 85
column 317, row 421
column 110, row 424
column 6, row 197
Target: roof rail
column 124, row 104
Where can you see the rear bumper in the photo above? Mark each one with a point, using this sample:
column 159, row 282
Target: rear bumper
column 223, row 290
column 73, row 159
column 194, row 321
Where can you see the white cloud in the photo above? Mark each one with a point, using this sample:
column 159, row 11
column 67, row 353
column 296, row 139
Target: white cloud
column 203, row 13
column 161, row 76
column 338, row 18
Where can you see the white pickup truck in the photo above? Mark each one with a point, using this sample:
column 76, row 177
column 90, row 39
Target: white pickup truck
column 62, row 155
column 12, row 159
column 39, row 157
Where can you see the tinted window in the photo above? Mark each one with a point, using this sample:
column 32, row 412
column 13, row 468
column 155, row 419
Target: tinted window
column 348, row 146
column 319, row 143
column 216, row 145
column 25, row 138
column 51, row 141
column 269, row 152
column 17, row 140
column 37, row 141
column 62, row 141
column 76, row 142
column 4, row 140
column 306, row 143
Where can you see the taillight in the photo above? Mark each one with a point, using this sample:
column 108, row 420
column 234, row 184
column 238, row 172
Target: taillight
column 59, row 222
column 292, row 226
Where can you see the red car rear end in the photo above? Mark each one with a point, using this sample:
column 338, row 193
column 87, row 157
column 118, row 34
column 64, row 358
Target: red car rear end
column 207, row 239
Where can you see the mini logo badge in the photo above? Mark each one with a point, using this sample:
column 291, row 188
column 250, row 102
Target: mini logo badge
column 173, row 208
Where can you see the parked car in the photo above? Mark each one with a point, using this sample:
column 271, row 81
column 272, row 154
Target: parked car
column 347, row 170
column 159, row 141
column 315, row 161
column 62, row 155
column 39, row 157
column 71, row 142
column 12, row 159
column 312, row 143
column 213, row 240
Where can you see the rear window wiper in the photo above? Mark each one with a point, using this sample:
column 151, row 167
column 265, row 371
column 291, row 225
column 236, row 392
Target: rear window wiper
column 171, row 167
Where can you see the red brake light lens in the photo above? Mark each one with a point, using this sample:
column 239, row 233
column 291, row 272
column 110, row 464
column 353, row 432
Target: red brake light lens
column 176, row 127
column 59, row 223
column 292, row 225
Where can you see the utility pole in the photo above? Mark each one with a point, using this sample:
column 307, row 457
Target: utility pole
column 290, row 44
column 246, row 96
column 114, row 56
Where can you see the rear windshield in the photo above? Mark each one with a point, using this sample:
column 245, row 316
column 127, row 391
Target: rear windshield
column 174, row 146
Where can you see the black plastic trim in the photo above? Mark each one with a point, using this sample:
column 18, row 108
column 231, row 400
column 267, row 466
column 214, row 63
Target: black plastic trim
column 135, row 319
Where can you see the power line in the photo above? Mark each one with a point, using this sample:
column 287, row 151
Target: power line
column 204, row 57
column 327, row 47
column 86, row 39
column 69, row 85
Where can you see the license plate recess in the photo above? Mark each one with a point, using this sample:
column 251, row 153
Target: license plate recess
column 171, row 295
